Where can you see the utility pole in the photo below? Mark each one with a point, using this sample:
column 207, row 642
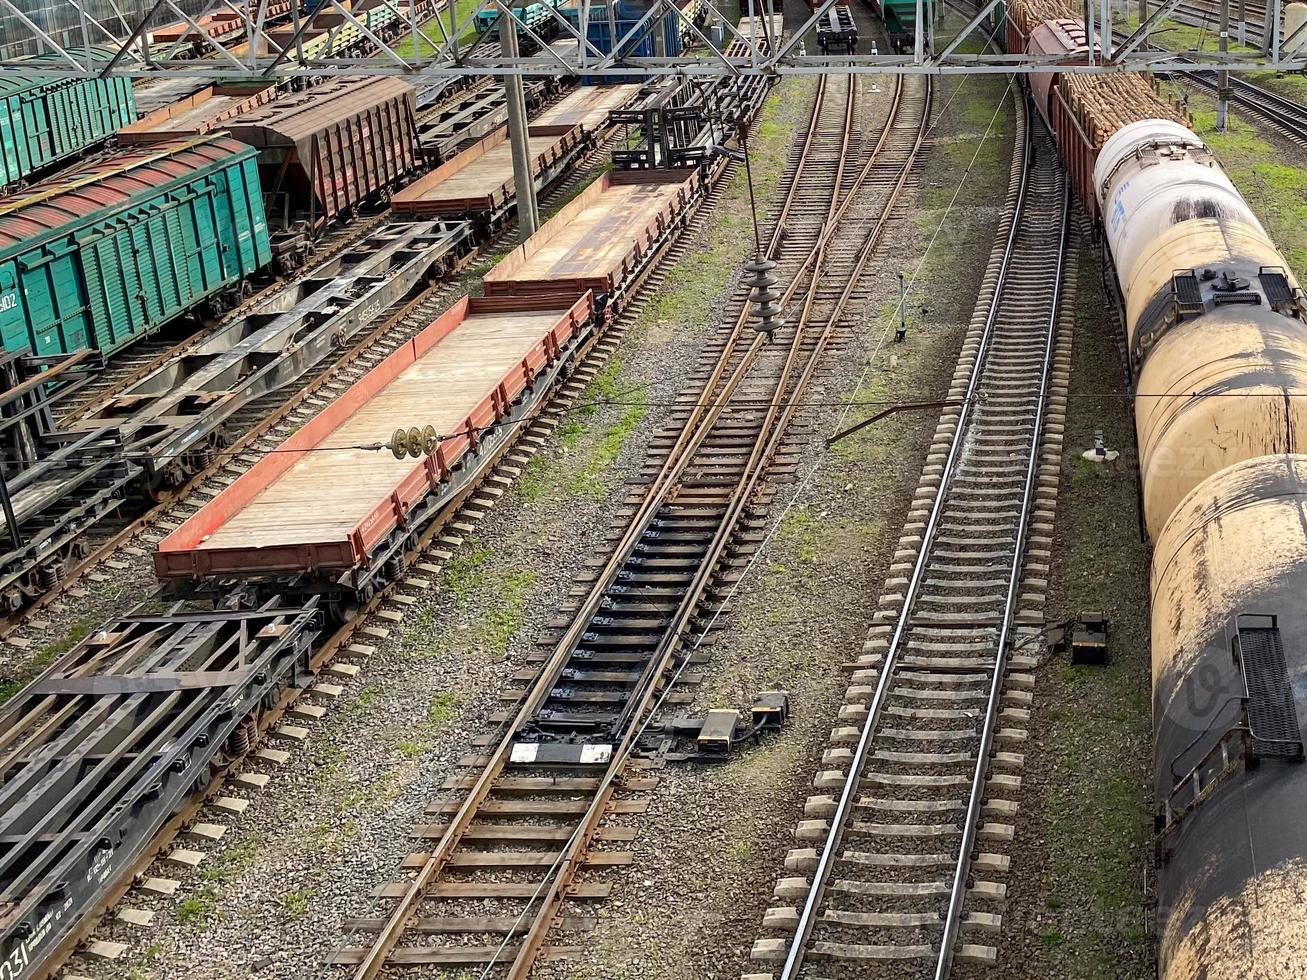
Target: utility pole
column 1223, row 76
column 919, row 36
column 1242, row 27
column 528, row 210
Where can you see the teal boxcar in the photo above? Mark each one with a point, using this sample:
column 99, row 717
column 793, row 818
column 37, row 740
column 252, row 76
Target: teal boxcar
column 119, row 248
column 45, row 119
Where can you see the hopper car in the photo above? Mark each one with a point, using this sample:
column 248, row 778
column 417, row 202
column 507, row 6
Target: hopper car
column 325, row 151
column 1216, row 328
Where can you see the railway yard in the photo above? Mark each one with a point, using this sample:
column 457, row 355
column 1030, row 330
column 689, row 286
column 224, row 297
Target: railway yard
column 780, row 519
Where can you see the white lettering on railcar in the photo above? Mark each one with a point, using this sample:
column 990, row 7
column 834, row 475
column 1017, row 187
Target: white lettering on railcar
column 8, row 302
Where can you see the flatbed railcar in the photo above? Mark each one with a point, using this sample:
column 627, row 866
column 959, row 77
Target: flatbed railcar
column 121, row 247
column 478, row 183
column 837, row 32
column 327, row 513
column 601, row 239
column 47, row 120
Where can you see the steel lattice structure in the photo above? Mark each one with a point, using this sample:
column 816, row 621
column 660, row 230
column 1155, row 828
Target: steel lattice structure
column 92, row 37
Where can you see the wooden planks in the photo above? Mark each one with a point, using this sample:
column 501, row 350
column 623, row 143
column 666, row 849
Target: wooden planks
column 588, row 107
column 330, row 489
column 590, row 242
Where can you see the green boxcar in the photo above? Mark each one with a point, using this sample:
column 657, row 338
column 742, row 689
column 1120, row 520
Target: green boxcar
column 900, row 19
column 45, row 119
column 103, row 256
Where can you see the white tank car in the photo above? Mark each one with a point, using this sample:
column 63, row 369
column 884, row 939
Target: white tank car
column 1219, row 347
column 1211, row 309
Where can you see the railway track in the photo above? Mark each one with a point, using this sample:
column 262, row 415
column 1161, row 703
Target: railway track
column 126, row 649
column 497, row 888
column 263, row 418
column 901, row 852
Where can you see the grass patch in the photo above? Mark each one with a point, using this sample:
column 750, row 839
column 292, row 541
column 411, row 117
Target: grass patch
column 238, row 858
column 48, row 654
column 414, row 48
column 1096, row 820
column 1276, row 191
column 607, row 444
column 199, row 908
column 297, row 902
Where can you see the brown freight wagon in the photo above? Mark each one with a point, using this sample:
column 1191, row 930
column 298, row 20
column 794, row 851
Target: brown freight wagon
column 588, row 107
column 326, row 151
column 602, row 240
column 478, row 183
column 327, row 512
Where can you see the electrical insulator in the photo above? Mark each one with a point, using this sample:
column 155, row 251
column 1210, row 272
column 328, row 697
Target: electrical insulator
column 764, row 296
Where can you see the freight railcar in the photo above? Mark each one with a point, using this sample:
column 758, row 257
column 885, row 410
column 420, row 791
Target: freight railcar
column 324, row 152
column 900, row 20
column 1216, row 325
column 46, row 120
column 123, row 246
column 338, row 523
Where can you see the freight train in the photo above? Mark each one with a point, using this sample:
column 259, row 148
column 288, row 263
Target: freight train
column 1214, row 320
column 179, row 222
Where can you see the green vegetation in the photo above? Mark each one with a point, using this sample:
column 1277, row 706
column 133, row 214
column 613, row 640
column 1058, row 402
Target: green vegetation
column 411, row 48
column 1277, row 192
column 443, row 709
column 238, row 858
column 1097, row 824
column 607, row 443
column 198, row 908
column 47, row 655
column 297, row 902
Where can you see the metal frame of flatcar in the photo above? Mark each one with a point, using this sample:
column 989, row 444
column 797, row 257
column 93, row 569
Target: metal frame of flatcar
column 837, row 30
column 110, row 741
column 65, row 482
column 171, row 443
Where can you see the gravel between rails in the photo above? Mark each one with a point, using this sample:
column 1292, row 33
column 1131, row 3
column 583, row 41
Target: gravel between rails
column 269, row 899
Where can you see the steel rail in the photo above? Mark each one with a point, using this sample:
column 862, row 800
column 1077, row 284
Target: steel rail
column 387, row 938
column 957, row 895
column 808, row 914
column 780, row 412
column 705, row 414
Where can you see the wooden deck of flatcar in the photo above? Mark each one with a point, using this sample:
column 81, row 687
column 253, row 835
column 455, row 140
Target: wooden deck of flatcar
column 588, row 107
column 330, row 496
column 328, row 491
column 589, row 243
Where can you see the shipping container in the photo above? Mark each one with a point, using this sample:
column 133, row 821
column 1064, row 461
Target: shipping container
column 327, row 513
column 116, row 250
column 599, row 240
column 610, row 22
column 45, row 119
column 325, row 151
